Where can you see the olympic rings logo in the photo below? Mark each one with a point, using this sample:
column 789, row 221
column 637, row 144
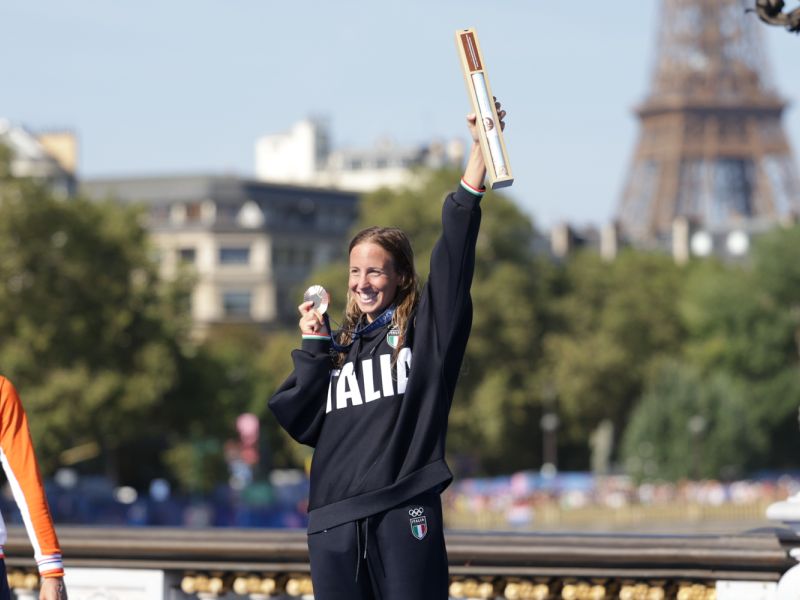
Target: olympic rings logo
column 416, row 512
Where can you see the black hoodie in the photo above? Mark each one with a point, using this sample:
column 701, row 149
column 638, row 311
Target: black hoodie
column 378, row 424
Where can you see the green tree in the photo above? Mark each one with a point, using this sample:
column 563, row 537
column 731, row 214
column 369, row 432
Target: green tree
column 690, row 425
column 217, row 381
column 611, row 321
column 88, row 331
column 232, row 371
column 744, row 321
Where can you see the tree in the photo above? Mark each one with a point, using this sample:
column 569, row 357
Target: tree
column 611, row 322
column 688, row 425
column 744, row 321
column 737, row 374
column 88, row 331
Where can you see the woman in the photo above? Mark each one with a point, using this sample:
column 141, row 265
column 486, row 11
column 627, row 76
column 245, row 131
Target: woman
column 377, row 424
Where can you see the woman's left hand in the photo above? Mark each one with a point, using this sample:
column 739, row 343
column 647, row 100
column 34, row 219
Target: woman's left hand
column 472, row 121
column 475, row 171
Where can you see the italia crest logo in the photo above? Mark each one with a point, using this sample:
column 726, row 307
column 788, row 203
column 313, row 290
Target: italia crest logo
column 394, row 337
column 419, row 523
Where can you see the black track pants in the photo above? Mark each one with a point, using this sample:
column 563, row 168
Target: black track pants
column 405, row 555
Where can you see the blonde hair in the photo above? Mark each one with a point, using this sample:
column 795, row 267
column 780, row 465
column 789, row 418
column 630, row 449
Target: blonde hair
column 395, row 242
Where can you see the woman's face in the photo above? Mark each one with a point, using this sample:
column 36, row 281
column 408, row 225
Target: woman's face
column 373, row 279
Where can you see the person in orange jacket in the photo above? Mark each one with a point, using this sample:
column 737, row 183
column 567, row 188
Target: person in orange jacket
column 22, row 472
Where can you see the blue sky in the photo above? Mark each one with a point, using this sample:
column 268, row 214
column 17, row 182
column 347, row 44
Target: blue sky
column 185, row 87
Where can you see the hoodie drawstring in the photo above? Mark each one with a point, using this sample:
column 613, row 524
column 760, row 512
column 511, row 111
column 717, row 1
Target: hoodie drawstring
column 359, row 558
column 366, row 536
column 358, row 551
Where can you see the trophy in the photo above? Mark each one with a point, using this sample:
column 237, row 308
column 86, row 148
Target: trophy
column 493, row 147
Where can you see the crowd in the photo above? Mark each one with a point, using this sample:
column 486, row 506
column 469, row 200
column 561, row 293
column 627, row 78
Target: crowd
column 522, row 499
column 278, row 502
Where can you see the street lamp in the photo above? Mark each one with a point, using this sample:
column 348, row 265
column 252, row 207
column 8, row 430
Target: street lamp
column 701, row 243
column 696, row 426
column 549, row 424
column 737, row 243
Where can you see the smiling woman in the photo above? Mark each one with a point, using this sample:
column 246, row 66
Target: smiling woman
column 377, row 425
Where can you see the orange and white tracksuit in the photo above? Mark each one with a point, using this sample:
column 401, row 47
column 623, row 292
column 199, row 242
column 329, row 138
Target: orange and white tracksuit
column 22, row 471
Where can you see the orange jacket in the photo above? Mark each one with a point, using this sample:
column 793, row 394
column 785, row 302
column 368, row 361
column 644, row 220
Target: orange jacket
column 22, row 471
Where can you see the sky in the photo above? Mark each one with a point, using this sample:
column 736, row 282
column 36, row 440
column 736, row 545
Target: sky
column 177, row 87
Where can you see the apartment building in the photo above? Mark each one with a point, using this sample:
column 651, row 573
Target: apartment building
column 251, row 245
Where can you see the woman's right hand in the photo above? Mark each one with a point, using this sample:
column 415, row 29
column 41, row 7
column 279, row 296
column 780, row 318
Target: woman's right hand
column 311, row 322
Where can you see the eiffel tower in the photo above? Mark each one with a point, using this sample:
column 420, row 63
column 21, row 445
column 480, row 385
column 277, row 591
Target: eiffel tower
column 711, row 147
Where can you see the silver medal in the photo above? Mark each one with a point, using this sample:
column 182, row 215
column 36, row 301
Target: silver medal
column 318, row 295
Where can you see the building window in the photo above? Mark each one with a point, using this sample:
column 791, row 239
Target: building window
column 194, row 211
column 159, row 213
column 186, row 256
column 177, row 213
column 234, row 256
column 226, row 213
column 292, row 257
column 305, row 257
column 236, row 303
column 279, row 256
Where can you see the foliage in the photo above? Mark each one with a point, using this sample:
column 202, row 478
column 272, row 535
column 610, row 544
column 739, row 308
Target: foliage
column 609, row 342
column 612, row 320
column 739, row 371
column 691, row 426
column 88, row 331
column 744, row 321
column 233, row 371
column 99, row 347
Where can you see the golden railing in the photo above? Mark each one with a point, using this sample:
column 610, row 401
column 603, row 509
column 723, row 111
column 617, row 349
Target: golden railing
column 259, row 564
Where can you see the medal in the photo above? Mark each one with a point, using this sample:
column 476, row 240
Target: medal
column 320, row 298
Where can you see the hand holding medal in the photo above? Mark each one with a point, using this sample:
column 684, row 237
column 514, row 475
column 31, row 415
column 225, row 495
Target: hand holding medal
column 315, row 302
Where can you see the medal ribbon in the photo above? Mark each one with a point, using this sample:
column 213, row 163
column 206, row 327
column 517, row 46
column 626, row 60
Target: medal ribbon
column 381, row 321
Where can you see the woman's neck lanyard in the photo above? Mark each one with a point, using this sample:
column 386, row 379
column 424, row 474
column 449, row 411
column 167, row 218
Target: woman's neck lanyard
column 381, row 321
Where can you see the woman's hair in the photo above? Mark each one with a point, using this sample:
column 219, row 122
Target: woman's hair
column 395, row 242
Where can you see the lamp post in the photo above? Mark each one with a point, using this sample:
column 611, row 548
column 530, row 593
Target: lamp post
column 696, row 426
column 549, row 424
